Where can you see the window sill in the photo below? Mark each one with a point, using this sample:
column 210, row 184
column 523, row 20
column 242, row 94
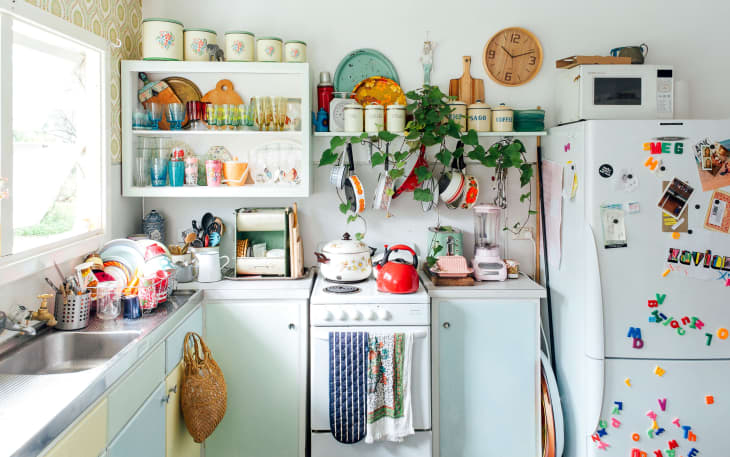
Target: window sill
column 33, row 262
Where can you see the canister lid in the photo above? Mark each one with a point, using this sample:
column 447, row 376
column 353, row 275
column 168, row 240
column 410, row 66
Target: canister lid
column 239, row 32
column 325, row 79
column 295, row 41
column 162, row 19
column 353, row 105
column 501, row 107
column 396, row 106
column 198, row 29
column 456, row 102
column 374, row 106
column 478, row 105
column 268, row 38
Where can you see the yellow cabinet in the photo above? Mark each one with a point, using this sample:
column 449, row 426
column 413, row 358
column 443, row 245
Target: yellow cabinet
column 179, row 441
column 88, row 437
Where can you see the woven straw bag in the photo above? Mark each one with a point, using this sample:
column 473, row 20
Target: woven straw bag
column 203, row 395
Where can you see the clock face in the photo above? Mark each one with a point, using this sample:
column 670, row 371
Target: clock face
column 513, row 56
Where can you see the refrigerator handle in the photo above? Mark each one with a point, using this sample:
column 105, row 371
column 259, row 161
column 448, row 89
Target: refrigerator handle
column 594, row 330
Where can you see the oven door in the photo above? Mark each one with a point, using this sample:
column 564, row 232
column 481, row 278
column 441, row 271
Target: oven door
column 420, row 373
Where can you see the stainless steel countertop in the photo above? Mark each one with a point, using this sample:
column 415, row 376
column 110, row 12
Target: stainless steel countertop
column 36, row 409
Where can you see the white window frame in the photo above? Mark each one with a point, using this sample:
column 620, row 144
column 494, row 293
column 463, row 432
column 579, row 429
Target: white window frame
column 16, row 266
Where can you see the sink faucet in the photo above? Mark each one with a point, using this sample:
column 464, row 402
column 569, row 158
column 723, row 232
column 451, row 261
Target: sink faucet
column 43, row 314
column 7, row 323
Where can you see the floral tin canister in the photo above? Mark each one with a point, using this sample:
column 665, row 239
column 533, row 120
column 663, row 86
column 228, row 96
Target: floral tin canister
column 295, row 51
column 268, row 49
column 240, row 46
column 196, row 43
column 162, row 39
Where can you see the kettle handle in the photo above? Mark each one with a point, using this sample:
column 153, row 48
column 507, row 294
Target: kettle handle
column 400, row 247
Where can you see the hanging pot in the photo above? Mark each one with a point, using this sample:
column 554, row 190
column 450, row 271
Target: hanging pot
column 411, row 182
column 345, row 260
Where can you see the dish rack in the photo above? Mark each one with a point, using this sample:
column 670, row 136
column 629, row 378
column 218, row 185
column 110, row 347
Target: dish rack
column 72, row 311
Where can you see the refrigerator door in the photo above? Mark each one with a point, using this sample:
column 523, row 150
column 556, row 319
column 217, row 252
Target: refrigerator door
column 632, row 284
column 682, row 390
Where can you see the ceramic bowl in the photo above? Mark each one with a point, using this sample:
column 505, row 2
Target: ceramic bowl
column 455, row 187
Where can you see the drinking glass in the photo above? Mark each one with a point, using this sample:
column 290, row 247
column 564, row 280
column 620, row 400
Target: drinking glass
column 154, row 114
column 210, row 116
column 139, row 119
column 251, row 112
column 175, row 115
column 279, row 109
column 108, row 303
column 230, row 116
column 241, row 115
column 176, row 170
column 158, row 171
column 268, row 113
column 142, row 162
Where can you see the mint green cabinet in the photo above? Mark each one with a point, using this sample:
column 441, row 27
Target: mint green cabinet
column 487, row 380
column 261, row 349
column 144, row 434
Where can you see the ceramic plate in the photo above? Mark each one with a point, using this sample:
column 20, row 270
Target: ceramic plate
column 127, row 250
column 362, row 64
column 379, row 90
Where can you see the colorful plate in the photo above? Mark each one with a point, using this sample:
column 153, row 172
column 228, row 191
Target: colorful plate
column 362, row 64
column 380, row 90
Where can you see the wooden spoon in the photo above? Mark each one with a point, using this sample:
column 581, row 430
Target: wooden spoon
column 189, row 238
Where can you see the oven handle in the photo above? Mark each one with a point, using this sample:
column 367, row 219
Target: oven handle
column 418, row 334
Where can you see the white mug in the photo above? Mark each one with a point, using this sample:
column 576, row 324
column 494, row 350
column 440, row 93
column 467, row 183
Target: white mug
column 209, row 264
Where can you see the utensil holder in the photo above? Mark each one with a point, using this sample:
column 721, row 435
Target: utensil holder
column 73, row 312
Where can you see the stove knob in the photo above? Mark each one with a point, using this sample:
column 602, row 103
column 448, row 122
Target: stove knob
column 325, row 315
column 357, row 315
column 371, row 315
column 342, row 315
column 383, row 315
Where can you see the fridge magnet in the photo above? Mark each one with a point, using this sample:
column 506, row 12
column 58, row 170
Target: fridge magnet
column 709, row 399
column 570, row 179
column 672, row 444
column 718, row 212
column 662, row 403
column 627, row 381
column 709, row 339
column 652, row 164
column 619, row 405
column 692, row 452
column 632, row 207
column 614, row 227
column 627, row 180
column 675, row 235
column 691, row 436
column 635, row 437
column 651, row 415
column 659, row 371
column 637, row 453
column 674, row 198
column 605, row 170
column 650, row 432
column 686, row 429
column 664, row 147
column 676, row 421
column 713, row 163
column 722, row 333
column 671, row 223
column 615, row 423
column 567, row 147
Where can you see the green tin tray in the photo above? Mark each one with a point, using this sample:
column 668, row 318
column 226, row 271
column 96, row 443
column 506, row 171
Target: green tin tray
column 361, row 64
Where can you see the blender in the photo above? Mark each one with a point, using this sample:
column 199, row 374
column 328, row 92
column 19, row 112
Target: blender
column 488, row 263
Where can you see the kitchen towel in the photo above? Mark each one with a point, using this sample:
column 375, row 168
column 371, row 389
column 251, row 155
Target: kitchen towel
column 348, row 385
column 389, row 415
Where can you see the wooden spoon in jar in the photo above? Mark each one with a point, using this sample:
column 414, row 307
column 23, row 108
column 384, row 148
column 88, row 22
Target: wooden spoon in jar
column 189, row 238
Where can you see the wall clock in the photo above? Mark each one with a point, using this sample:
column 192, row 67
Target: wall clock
column 513, row 56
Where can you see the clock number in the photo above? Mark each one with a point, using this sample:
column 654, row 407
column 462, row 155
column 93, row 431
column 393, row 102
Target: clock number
column 490, row 54
column 508, row 76
column 532, row 60
column 515, row 38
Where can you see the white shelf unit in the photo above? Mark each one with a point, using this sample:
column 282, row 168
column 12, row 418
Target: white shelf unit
column 481, row 134
column 249, row 79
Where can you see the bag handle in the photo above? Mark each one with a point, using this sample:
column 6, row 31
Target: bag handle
column 195, row 351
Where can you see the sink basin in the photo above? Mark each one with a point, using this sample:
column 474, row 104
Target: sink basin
column 58, row 352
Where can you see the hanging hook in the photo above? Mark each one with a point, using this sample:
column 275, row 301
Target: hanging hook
column 118, row 44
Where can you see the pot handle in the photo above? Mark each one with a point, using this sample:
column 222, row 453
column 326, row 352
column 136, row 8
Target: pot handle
column 321, row 258
column 400, row 247
column 351, row 165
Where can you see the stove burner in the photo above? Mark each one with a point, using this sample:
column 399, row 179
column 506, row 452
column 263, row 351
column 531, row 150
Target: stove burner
column 334, row 281
column 342, row 289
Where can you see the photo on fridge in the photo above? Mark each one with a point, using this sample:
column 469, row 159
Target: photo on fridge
column 675, row 196
column 713, row 163
column 718, row 212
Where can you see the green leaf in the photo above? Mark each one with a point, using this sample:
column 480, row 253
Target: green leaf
column 524, row 197
column 328, row 158
column 532, row 211
column 423, row 173
column 444, row 156
column 387, row 136
column 526, row 172
column 399, row 156
column 411, row 107
column 389, row 192
column 431, row 261
column 470, row 138
column 344, row 208
column 458, row 152
column 437, row 247
column 422, row 195
column 377, row 159
column 413, row 95
column 359, row 236
column 336, row 142
column 356, row 139
column 351, row 218
column 413, row 134
column 396, row 173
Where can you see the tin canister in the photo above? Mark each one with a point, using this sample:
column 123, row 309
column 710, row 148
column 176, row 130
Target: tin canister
column 502, row 119
column 196, row 43
column 374, row 118
column 191, row 171
column 240, row 46
column 353, row 117
column 268, row 49
column 479, row 116
column 395, row 118
column 213, row 172
column 162, row 39
column 458, row 113
column 295, row 51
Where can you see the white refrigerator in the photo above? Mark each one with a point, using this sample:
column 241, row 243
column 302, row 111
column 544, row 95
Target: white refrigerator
column 641, row 298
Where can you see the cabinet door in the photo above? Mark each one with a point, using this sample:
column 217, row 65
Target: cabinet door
column 261, row 349
column 179, row 442
column 488, row 378
column 87, row 438
column 145, row 432
column 174, row 342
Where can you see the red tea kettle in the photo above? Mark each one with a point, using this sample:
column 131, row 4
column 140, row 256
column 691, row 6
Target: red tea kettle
column 397, row 276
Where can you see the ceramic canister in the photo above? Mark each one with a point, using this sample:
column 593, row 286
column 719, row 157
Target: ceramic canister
column 479, row 117
column 502, row 118
column 458, row 113
column 295, row 51
column 353, row 117
column 162, row 39
column 240, row 46
column 374, row 118
column 196, row 43
column 395, row 119
column 268, row 49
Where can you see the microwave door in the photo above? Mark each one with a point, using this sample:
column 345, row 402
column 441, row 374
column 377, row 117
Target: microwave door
column 615, row 96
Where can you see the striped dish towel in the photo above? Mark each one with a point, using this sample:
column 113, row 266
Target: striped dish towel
column 348, row 385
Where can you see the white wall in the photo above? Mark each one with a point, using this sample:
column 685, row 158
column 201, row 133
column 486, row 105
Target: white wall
column 690, row 37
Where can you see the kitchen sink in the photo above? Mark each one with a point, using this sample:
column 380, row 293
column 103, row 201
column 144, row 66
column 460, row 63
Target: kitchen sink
column 58, row 352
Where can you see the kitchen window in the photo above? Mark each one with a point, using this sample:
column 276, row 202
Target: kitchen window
column 54, row 135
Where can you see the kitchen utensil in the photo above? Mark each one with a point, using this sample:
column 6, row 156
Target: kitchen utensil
column 488, row 263
column 189, row 238
column 154, row 115
column 185, row 272
column 209, row 263
column 345, row 260
column 451, row 266
column 381, row 197
column 336, row 114
column 411, row 181
column 156, row 92
column 206, row 220
column 466, row 88
column 53, row 286
column 431, row 185
column 397, row 276
column 127, row 250
column 355, row 194
column 362, row 64
column 224, row 93
column 325, row 91
column 339, row 172
column 158, row 172
column 635, row 53
column 379, row 90
column 176, row 172
column 451, row 183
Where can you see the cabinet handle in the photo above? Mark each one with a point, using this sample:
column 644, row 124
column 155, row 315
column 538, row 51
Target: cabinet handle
column 173, row 389
column 166, row 399
column 447, row 324
column 292, row 326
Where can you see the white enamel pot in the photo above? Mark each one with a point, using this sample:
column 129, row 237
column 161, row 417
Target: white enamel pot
column 345, row 260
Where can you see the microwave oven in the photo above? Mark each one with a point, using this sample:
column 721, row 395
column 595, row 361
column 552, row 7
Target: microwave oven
column 625, row 92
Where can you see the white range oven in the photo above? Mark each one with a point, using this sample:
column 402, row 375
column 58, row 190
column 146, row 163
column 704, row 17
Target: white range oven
column 367, row 310
column 624, row 92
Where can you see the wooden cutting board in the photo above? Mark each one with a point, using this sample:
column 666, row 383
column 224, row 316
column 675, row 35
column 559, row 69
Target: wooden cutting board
column 223, row 94
column 466, row 88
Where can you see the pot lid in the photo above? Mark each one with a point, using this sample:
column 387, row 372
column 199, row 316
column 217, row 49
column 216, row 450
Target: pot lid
column 346, row 246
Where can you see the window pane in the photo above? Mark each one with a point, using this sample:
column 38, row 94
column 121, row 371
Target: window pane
column 56, row 138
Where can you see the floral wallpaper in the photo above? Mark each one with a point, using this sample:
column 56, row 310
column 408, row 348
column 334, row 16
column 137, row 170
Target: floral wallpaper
column 114, row 20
